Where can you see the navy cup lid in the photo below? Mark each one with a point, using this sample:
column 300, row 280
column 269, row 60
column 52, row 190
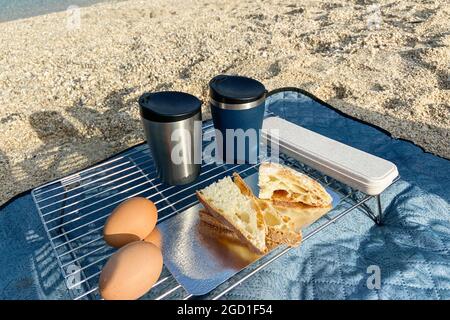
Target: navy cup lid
column 235, row 89
column 168, row 106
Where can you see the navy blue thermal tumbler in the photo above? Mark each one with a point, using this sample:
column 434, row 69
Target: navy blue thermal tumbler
column 237, row 108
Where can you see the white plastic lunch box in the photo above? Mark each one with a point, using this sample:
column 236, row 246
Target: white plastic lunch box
column 358, row 169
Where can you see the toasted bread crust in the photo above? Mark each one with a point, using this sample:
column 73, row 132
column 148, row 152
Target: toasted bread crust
column 218, row 232
column 240, row 183
column 276, row 237
column 206, row 217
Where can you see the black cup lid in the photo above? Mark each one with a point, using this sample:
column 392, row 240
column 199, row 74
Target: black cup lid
column 235, row 89
column 168, row 106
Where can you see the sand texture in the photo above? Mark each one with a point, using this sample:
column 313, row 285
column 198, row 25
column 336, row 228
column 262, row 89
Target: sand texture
column 68, row 95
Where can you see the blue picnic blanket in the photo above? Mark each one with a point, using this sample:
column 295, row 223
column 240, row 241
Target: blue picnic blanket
column 409, row 251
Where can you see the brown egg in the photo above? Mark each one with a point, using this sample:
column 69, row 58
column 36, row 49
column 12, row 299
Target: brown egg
column 131, row 271
column 155, row 237
column 131, row 221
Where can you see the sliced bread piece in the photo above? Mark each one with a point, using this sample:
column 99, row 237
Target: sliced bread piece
column 280, row 183
column 280, row 229
column 238, row 212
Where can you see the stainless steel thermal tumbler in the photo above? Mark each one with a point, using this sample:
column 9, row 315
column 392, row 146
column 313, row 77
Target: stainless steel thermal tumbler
column 237, row 108
column 173, row 128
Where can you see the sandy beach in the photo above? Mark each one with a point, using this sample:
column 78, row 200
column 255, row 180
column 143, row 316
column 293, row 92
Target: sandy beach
column 68, row 92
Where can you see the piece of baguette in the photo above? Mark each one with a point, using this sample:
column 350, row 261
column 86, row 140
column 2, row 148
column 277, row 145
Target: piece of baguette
column 280, row 183
column 238, row 212
column 280, row 229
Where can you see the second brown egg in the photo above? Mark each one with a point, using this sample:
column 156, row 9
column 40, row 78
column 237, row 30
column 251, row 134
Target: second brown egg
column 132, row 220
column 155, row 237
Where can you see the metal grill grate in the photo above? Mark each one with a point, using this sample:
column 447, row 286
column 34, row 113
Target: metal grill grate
column 74, row 209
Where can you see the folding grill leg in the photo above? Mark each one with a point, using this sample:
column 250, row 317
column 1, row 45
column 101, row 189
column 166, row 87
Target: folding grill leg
column 375, row 214
column 379, row 218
